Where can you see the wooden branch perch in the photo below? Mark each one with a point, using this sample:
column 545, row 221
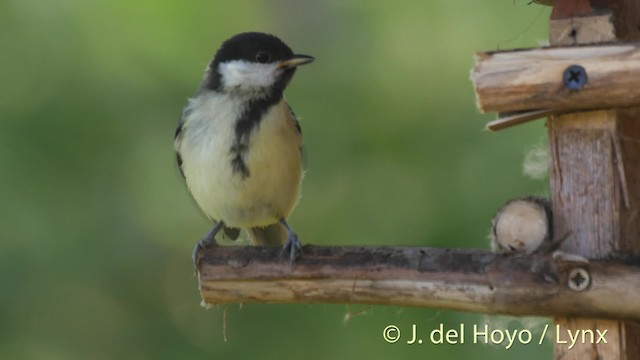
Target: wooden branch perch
column 534, row 79
column 461, row 279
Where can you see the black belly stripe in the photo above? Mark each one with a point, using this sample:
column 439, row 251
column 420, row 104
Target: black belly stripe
column 237, row 162
column 245, row 125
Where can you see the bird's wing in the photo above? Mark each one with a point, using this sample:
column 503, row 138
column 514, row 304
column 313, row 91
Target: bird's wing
column 294, row 119
column 177, row 140
column 295, row 122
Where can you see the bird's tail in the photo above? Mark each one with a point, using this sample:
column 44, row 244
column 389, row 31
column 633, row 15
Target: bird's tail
column 271, row 235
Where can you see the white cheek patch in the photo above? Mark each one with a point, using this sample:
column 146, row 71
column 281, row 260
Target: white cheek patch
column 247, row 75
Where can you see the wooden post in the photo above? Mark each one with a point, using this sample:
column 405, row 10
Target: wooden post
column 595, row 173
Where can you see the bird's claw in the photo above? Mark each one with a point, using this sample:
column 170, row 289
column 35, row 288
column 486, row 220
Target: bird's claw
column 293, row 248
column 207, row 242
column 201, row 246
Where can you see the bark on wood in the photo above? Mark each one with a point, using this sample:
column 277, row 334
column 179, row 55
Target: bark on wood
column 467, row 280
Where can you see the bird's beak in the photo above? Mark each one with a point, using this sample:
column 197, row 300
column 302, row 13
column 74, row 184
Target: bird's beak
column 294, row 61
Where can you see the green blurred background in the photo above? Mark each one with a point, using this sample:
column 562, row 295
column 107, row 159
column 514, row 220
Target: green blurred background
column 97, row 227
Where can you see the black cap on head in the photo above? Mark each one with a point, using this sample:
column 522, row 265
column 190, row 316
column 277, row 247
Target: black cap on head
column 251, row 47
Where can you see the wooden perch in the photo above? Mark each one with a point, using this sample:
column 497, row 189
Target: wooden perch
column 535, row 79
column 461, row 279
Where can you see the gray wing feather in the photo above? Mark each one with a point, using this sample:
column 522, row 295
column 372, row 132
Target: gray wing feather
column 296, row 123
column 177, row 139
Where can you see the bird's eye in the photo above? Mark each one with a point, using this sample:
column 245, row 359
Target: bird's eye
column 263, row 57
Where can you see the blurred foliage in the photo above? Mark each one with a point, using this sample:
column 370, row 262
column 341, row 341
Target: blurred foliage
column 97, row 225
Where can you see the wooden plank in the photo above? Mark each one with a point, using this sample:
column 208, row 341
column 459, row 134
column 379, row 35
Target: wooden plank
column 534, row 79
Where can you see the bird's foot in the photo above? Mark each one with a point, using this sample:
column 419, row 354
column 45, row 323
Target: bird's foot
column 198, row 250
column 293, row 246
column 208, row 242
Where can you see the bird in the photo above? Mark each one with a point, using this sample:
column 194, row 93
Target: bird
column 238, row 144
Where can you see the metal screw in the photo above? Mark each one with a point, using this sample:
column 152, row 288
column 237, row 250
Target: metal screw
column 579, row 279
column 574, row 77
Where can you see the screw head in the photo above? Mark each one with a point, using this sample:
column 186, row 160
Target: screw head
column 574, row 77
column 579, row 279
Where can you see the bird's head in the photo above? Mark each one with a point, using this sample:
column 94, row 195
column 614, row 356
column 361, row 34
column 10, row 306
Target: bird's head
column 253, row 64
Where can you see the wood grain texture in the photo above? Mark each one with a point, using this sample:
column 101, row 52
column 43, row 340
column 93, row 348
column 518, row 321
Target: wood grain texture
column 595, row 187
column 624, row 16
column 467, row 280
column 595, row 168
column 533, row 79
column 583, row 30
column 582, row 173
column 627, row 141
